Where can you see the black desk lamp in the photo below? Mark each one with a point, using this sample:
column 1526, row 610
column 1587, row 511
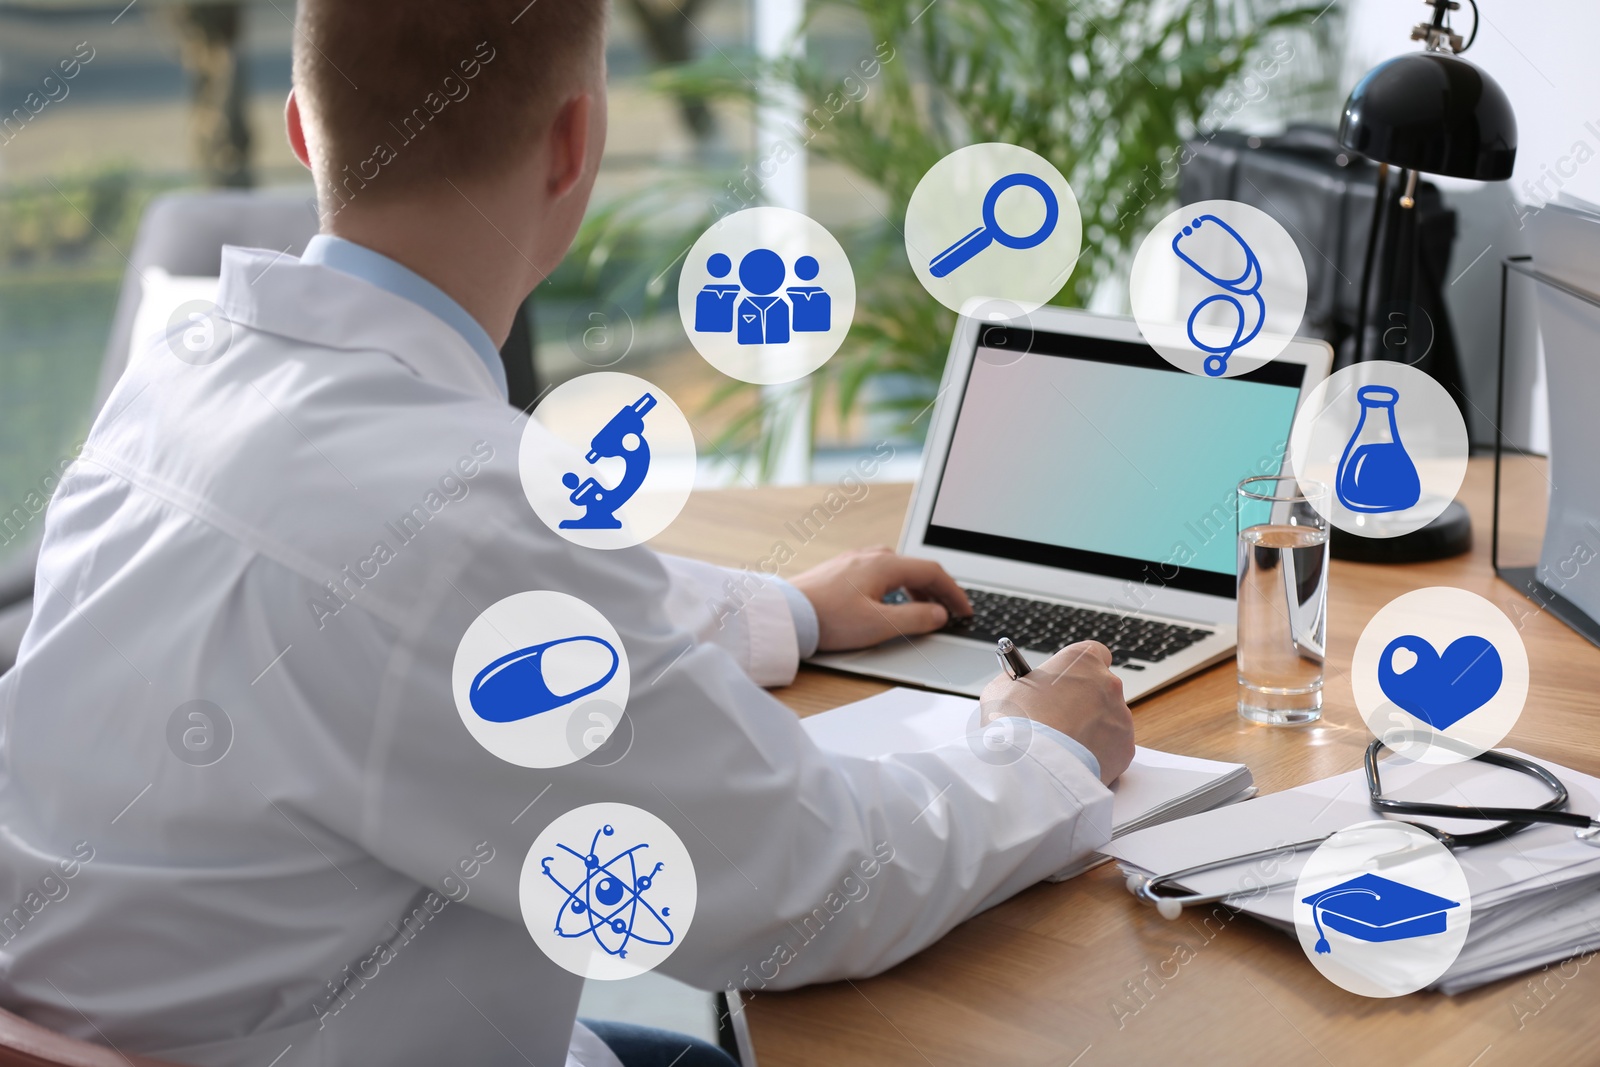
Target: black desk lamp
column 1429, row 112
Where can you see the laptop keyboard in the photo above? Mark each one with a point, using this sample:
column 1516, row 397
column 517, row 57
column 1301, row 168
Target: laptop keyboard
column 1046, row 626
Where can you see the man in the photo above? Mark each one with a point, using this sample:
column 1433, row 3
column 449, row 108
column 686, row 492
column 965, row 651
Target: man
column 280, row 546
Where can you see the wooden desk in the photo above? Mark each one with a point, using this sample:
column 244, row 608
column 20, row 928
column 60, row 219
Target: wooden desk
column 1038, row 980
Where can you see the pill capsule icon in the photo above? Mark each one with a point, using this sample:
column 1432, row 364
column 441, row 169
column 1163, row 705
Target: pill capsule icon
column 540, row 678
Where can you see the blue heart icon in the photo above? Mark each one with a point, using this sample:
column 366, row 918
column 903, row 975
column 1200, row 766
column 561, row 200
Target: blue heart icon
column 1440, row 690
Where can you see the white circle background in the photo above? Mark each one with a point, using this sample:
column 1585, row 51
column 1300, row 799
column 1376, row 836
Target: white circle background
column 1164, row 289
column 948, row 204
column 520, row 621
column 674, row 887
column 792, row 235
column 199, row 332
column 1431, row 429
column 1440, row 615
column 1005, row 331
column 1385, row 968
column 556, row 440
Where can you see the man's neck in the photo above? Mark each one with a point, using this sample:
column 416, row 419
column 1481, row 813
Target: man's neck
column 453, row 245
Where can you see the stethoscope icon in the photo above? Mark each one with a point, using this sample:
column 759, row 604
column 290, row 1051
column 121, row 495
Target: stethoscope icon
column 990, row 232
column 1216, row 364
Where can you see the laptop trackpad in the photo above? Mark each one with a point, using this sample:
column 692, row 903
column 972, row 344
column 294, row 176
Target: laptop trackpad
column 934, row 660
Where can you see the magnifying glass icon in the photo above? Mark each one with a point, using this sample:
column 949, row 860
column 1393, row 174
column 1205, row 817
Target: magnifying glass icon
column 990, row 232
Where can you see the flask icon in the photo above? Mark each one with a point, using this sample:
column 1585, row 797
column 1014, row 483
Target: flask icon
column 1376, row 474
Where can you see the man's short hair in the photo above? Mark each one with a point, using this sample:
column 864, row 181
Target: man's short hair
column 404, row 93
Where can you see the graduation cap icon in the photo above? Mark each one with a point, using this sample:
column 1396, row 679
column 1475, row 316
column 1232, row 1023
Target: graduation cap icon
column 1372, row 908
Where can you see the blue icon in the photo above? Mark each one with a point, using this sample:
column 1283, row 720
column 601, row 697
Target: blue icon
column 763, row 315
column 1376, row 909
column 713, row 307
column 1247, row 284
column 1376, row 474
column 608, row 902
column 813, row 307
column 754, row 309
column 599, row 503
column 513, row 687
column 1440, row 690
column 991, row 233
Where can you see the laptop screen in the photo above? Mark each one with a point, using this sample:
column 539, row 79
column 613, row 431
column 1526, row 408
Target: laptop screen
column 1099, row 456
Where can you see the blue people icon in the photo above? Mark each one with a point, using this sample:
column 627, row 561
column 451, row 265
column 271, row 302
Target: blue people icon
column 756, row 309
column 813, row 307
column 608, row 900
column 1376, row 909
column 1376, row 474
column 514, row 687
column 1247, row 283
column 763, row 315
column 1441, row 690
column 622, row 437
column 713, row 307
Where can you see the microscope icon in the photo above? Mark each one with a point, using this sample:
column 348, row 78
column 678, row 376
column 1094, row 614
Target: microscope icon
column 622, row 437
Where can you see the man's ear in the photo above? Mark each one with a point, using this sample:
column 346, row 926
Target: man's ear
column 297, row 132
column 569, row 145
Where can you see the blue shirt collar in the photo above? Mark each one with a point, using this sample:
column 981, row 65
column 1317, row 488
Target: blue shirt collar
column 377, row 269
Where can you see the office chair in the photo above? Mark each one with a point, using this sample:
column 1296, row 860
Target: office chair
column 183, row 234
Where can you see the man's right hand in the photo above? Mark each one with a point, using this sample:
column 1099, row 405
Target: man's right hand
column 1075, row 692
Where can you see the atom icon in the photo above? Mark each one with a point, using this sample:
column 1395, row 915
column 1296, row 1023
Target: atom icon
column 607, row 903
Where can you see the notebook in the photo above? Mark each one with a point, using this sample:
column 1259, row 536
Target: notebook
column 1156, row 787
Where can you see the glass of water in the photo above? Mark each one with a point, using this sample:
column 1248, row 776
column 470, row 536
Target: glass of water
column 1283, row 598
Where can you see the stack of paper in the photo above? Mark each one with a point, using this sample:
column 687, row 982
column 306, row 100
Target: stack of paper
column 1157, row 786
column 1534, row 895
column 1566, row 239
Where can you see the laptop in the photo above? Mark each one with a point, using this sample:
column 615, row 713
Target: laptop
column 1079, row 486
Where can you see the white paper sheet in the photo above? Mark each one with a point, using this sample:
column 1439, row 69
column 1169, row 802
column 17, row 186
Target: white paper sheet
column 1539, row 857
column 913, row 720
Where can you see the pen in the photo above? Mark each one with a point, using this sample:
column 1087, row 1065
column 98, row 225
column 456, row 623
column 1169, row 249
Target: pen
column 1011, row 660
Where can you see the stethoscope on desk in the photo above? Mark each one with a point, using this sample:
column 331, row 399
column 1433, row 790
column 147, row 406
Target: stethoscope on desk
column 1151, row 889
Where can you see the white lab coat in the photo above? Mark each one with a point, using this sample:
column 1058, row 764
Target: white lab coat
column 213, row 912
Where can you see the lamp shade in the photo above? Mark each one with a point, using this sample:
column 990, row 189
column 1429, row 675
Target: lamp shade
column 1434, row 113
